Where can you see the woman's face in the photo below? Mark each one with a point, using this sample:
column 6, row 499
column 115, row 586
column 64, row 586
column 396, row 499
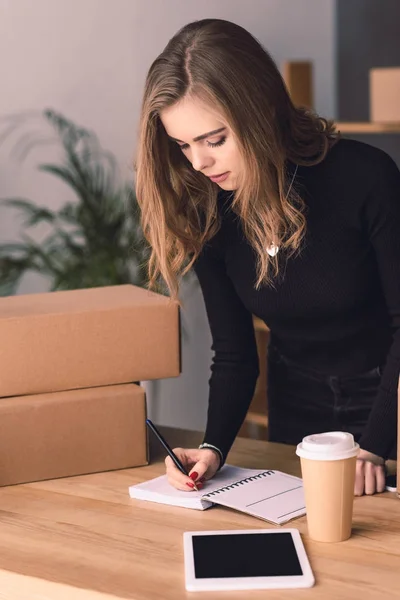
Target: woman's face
column 205, row 140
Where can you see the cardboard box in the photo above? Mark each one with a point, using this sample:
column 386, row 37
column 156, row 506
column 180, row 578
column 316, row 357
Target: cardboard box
column 384, row 86
column 86, row 338
column 298, row 77
column 72, row 433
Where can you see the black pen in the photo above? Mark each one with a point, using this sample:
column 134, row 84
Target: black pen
column 169, row 450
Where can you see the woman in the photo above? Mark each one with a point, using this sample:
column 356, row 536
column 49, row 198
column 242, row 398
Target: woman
column 282, row 219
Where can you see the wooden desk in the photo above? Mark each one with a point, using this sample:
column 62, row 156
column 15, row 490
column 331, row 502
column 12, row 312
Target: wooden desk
column 83, row 538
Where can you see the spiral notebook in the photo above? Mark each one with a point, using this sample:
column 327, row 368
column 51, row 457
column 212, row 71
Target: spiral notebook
column 273, row 496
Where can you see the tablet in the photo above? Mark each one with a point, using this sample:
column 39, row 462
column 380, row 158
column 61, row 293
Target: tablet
column 252, row 559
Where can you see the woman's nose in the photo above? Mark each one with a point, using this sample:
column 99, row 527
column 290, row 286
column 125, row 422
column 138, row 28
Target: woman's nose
column 200, row 160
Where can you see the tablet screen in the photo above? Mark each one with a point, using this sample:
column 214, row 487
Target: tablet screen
column 245, row 555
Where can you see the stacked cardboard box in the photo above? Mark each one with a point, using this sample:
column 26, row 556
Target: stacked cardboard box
column 384, row 89
column 68, row 363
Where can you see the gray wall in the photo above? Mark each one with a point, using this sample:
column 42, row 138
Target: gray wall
column 88, row 59
column 368, row 35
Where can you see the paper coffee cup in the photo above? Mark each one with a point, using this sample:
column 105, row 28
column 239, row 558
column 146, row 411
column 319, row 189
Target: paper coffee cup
column 328, row 466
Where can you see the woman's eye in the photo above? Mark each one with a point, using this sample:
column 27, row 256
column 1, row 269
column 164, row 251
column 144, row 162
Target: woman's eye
column 216, row 144
column 210, row 144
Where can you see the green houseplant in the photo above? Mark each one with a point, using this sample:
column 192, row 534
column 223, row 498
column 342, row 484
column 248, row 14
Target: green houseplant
column 94, row 241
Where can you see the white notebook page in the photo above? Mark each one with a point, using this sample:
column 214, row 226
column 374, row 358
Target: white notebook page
column 159, row 490
column 275, row 497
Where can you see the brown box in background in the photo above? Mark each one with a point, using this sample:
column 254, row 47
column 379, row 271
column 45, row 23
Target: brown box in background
column 384, row 89
column 298, row 77
column 61, row 434
column 86, row 338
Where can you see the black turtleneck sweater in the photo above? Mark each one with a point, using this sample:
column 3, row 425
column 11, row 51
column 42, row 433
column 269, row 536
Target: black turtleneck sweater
column 335, row 306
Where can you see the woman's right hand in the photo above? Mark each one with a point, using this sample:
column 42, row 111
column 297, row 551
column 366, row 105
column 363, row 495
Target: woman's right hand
column 201, row 464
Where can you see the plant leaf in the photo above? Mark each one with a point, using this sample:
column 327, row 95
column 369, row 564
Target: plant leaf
column 97, row 239
column 32, row 214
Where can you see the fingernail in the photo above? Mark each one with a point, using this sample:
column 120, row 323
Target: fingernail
column 191, row 485
column 199, row 486
column 194, row 475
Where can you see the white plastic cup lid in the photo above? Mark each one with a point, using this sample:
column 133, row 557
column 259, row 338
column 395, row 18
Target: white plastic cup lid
column 332, row 445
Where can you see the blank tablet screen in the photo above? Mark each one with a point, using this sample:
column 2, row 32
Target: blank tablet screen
column 245, row 555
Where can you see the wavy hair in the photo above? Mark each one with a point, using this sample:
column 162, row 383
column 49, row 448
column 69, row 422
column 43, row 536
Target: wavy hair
column 223, row 65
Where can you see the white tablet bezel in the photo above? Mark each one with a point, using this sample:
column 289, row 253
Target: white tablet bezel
column 246, row 583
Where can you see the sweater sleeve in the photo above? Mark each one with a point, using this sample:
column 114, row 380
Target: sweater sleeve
column 234, row 368
column 382, row 218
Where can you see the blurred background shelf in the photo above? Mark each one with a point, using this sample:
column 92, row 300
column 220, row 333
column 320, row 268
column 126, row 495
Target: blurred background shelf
column 367, row 127
column 299, row 80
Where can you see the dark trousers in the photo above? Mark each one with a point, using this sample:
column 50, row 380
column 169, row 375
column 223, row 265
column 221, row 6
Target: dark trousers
column 302, row 401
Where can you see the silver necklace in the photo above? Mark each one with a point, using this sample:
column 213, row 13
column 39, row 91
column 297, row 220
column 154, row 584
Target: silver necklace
column 273, row 249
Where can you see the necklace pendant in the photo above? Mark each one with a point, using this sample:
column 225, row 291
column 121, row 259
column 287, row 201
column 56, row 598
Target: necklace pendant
column 272, row 250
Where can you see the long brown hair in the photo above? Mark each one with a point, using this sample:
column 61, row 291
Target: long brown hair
column 222, row 64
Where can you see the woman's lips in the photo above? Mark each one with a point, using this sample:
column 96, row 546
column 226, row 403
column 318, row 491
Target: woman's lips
column 219, row 178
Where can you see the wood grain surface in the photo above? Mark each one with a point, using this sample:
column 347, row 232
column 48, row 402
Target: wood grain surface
column 83, row 538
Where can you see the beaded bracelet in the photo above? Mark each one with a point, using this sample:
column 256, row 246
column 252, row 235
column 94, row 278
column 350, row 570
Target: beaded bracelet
column 207, row 446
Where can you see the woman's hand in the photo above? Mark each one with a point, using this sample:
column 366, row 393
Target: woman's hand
column 370, row 474
column 200, row 464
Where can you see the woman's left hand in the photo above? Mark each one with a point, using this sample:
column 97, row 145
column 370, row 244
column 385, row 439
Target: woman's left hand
column 370, row 474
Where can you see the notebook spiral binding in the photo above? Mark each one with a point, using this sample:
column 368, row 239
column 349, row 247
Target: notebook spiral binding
column 237, row 484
